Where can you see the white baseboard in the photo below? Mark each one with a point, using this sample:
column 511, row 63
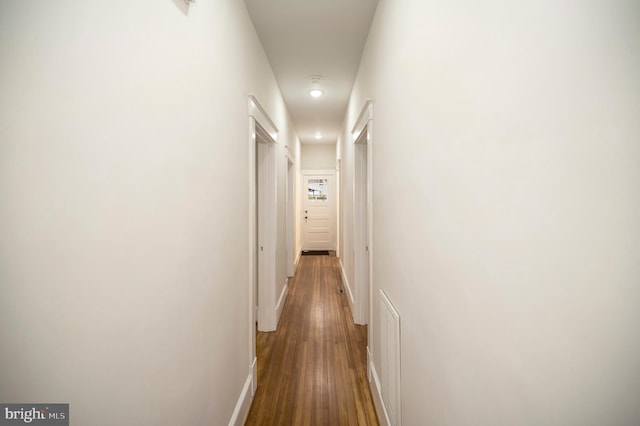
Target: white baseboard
column 281, row 299
column 295, row 263
column 347, row 286
column 241, row 411
column 254, row 376
column 376, row 391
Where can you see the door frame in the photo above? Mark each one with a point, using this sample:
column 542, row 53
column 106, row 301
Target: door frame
column 303, row 195
column 362, row 133
column 262, row 225
column 290, row 213
column 338, row 207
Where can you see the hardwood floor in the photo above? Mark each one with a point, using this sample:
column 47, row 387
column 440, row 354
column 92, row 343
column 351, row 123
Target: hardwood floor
column 312, row 370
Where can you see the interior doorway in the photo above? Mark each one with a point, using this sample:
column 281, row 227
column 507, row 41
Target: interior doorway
column 362, row 217
column 290, row 217
column 318, row 210
column 262, row 226
column 361, row 229
column 265, row 242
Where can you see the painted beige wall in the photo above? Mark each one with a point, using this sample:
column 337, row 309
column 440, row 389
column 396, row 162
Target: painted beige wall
column 124, row 207
column 318, row 157
column 506, row 209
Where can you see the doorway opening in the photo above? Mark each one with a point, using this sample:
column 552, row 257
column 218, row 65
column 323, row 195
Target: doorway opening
column 361, row 228
column 290, row 217
column 362, row 133
column 265, row 249
column 262, row 226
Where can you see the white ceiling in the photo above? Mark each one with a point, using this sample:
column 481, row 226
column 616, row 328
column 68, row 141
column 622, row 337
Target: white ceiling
column 314, row 37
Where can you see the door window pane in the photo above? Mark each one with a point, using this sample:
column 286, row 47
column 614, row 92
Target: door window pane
column 317, row 189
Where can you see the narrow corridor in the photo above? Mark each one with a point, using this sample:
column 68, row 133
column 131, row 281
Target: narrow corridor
column 312, row 370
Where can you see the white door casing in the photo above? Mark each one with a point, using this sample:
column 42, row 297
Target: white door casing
column 362, row 133
column 338, row 206
column 262, row 219
column 290, row 215
column 361, row 234
column 318, row 210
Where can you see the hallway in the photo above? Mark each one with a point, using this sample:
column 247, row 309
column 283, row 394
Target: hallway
column 312, row 370
column 501, row 221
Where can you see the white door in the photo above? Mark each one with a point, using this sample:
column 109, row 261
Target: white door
column 318, row 210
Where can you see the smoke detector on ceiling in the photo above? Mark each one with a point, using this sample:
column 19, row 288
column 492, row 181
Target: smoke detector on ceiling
column 315, row 91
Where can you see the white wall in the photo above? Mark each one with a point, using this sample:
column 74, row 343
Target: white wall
column 318, row 156
column 124, row 206
column 505, row 207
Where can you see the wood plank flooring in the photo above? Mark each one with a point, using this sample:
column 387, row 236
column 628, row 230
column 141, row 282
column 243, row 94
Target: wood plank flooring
column 312, row 370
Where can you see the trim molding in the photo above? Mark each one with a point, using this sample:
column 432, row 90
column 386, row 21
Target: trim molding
column 297, row 261
column 241, row 410
column 365, row 116
column 376, row 392
column 281, row 299
column 254, row 376
column 257, row 111
column 347, row 285
column 289, row 154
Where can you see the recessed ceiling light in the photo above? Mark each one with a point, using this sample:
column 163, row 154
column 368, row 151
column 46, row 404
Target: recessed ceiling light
column 318, row 135
column 316, row 93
